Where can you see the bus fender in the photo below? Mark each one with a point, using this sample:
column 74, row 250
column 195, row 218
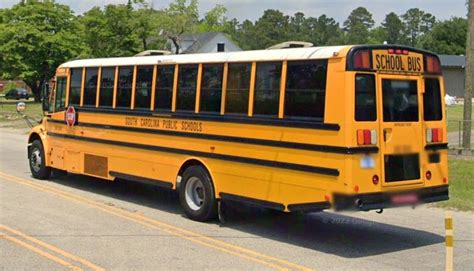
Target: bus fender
column 39, row 132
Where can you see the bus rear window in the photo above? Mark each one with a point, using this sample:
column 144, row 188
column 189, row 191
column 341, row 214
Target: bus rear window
column 432, row 100
column 365, row 102
column 400, row 100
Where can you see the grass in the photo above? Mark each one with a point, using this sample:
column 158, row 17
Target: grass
column 455, row 113
column 461, row 186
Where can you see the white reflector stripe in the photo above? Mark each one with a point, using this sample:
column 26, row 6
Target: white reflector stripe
column 429, row 135
column 373, row 137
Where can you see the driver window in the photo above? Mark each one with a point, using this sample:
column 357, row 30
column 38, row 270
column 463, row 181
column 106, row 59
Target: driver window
column 60, row 95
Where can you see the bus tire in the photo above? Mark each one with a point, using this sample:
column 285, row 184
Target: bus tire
column 36, row 157
column 196, row 194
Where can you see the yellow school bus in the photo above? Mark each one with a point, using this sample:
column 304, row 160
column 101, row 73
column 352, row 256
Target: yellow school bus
column 301, row 129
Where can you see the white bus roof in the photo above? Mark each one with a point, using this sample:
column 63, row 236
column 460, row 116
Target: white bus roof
column 243, row 56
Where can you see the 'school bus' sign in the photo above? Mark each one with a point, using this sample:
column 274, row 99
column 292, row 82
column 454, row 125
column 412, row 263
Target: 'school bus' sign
column 397, row 60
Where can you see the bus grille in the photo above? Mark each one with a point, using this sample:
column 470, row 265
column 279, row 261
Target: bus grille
column 402, row 167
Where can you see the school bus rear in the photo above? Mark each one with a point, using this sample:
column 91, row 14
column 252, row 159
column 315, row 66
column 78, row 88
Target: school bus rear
column 399, row 116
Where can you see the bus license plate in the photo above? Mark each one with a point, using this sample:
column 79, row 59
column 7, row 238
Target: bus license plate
column 405, row 199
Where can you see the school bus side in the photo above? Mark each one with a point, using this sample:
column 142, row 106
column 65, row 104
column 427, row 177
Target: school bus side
column 276, row 161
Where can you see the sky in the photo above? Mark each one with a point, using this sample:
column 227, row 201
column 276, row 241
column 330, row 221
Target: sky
column 338, row 9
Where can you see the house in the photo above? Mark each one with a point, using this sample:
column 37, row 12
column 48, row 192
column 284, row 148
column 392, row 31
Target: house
column 207, row 42
column 453, row 71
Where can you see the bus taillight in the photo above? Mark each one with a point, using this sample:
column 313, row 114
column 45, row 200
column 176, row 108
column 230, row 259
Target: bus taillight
column 434, row 135
column 432, row 65
column 362, row 59
column 366, row 137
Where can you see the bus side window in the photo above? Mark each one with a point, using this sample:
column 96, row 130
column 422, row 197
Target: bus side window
column 305, row 93
column 107, row 87
column 75, row 86
column 267, row 89
column 186, row 96
column 124, row 88
column 365, row 100
column 164, row 88
column 211, row 88
column 60, row 100
column 432, row 100
column 238, row 87
column 143, row 87
column 90, row 89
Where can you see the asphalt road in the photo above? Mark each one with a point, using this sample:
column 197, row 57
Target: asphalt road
column 77, row 222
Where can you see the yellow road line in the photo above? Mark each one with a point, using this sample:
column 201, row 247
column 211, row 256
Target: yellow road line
column 180, row 232
column 38, row 251
column 53, row 248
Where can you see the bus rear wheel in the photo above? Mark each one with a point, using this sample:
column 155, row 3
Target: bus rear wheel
column 196, row 194
column 37, row 162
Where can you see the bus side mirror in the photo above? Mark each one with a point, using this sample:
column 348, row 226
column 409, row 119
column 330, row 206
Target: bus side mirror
column 45, row 97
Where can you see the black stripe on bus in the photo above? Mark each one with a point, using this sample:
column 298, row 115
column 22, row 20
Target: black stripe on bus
column 225, row 157
column 294, row 123
column 254, row 202
column 309, row 207
column 139, row 179
column 436, row 147
column 243, row 140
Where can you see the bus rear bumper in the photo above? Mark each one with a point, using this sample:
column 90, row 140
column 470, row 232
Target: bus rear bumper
column 377, row 201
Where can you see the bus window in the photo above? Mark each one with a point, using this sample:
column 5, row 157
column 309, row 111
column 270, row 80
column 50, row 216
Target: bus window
column 400, row 100
column 124, row 89
column 211, row 88
column 186, row 97
column 306, row 89
column 432, row 100
column 60, row 100
column 75, row 86
column 238, row 86
column 90, row 89
column 107, row 87
column 267, row 89
column 365, row 102
column 164, row 88
column 143, row 87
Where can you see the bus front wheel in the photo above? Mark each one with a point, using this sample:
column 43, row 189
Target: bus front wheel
column 36, row 157
column 196, row 194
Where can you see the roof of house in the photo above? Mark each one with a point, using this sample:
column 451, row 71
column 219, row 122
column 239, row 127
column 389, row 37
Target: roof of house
column 242, row 56
column 198, row 39
column 452, row 60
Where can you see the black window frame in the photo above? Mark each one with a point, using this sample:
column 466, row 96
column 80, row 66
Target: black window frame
column 431, row 115
column 246, row 93
column 60, row 104
column 162, row 104
column 120, row 88
column 183, row 88
column 138, row 99
column 90, row 96
column 321, row 63
column 74, row 88
column 256, row 100
column 357, row 116
column 106, row 101
column 205, row 100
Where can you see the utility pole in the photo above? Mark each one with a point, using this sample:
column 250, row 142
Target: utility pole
column 469, row 74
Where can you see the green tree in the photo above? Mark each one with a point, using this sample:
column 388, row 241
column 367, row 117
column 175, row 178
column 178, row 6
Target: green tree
column 35, row 38
column 214, row 20
column 357, row 26
column 270, row 29
column 323, row 31
column 447, row 37
column 417, row 23
column 394, row 29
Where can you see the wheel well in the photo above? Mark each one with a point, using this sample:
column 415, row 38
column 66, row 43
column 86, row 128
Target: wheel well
column 34, row 137
column 193, row 162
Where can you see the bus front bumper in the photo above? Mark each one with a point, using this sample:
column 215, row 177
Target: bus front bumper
column 377, row 201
